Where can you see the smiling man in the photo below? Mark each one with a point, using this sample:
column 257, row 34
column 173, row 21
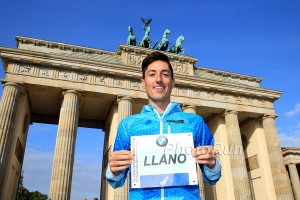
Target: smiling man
column 161, row 116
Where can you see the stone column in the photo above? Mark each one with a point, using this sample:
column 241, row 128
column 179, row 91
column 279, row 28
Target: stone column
column 61, row 180
column 240, row 178
column 124, row 107
column 189, row 109
column 280, row 176
column 124, row 110
column 8, row 111
column 192, row 109
column 295, row 180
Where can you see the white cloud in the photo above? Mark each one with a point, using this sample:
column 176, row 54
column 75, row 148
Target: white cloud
column 293, row 112
column 290, row 140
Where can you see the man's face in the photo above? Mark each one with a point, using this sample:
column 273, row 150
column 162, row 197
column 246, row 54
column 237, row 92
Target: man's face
column 158, row 82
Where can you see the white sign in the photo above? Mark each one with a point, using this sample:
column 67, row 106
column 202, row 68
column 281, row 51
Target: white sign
column 163, row 160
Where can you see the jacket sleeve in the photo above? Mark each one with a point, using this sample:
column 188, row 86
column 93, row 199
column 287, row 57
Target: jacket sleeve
column 211, row 176
column 204, row 137
column 122, row 142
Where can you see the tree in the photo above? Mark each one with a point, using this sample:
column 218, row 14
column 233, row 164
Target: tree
column 24, row 194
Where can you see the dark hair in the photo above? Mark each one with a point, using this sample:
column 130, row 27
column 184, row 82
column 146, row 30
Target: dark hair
column 154, row 57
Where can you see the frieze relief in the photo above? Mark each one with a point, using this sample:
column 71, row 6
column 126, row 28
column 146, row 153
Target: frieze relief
column 238, row 99
column 211, row 95
column 45, row 72
column 135, row 85
column 196, row 93
column 101, row 80
column 133, row 59
column 118, row 82
column 83, row 78
column 180, row 68
column 226, row 98
column 131, row 84
column 183, row 92
column 64, row 74
column 25, row 69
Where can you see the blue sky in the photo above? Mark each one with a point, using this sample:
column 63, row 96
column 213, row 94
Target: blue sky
column 258, row 38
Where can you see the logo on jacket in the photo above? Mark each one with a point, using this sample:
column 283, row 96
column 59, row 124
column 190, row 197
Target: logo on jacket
column 162, row 141
column 180, row 121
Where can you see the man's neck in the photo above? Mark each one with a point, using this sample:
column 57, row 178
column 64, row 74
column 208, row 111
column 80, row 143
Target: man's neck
column 160, row 106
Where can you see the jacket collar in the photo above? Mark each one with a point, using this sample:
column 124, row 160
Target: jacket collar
column 171, row 108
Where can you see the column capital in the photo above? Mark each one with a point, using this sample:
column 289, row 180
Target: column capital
column 19, row 86
column 189, row 106
column 121, row 98
column 270, row 115
column 226, row 112
column 72, row 91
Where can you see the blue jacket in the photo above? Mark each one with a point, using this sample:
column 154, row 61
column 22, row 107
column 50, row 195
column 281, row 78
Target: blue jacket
column 149, row 122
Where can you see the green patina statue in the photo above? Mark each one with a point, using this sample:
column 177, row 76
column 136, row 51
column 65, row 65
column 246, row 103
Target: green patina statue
column 177, row 48
column 163, row 45
column 146, row 39
column 131, row 38
column 146, row 22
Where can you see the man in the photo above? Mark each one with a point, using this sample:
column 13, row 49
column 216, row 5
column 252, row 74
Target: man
column 157, row 118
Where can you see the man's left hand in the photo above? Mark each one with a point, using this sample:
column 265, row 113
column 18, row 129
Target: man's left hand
column 205, row 155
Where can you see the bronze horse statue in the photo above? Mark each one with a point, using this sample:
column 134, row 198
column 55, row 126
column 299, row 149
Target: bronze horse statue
column 163, row 45
column 131, row 38
column 177, row 48
column 146, row 39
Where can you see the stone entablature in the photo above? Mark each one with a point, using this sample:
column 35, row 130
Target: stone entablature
column 132, row 55
column 198, row 90
column 226, row 77
column 132, row 84
column 291, row 155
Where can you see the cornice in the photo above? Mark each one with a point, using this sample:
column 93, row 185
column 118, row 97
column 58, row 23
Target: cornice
column 228, row 74
column 54, row 60
column 57, row 61
column 229, row 88
column 60, row 46
column 290, row 150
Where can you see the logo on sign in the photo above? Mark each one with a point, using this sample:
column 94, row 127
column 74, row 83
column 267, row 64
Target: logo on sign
column 161, row 141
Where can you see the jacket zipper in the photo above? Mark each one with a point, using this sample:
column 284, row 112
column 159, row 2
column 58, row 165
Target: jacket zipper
column 161, row 129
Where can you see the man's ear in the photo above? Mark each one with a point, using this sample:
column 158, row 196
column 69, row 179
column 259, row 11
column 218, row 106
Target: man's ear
column 173, row 83
column 143, row 83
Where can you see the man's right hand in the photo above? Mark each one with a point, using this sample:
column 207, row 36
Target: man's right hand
column 120, row 160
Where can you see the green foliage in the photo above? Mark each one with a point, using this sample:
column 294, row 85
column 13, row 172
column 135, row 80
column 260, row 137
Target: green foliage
column 24, row 194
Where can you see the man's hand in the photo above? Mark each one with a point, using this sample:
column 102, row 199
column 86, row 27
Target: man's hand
column 205, row 155
column 120, row 160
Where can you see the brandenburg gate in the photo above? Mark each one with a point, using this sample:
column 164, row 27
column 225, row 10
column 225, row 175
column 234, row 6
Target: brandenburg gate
column 75, row 86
